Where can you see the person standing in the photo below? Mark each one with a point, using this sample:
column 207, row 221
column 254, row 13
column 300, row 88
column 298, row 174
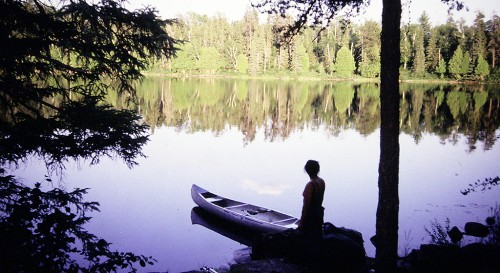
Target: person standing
column 311, row 220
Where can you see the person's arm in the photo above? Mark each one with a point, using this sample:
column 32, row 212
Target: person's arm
column 308, row 194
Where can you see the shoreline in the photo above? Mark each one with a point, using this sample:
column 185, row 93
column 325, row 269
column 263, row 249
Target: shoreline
column 284, row 77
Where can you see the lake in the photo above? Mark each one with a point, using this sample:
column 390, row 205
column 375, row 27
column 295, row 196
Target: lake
column 249, row 140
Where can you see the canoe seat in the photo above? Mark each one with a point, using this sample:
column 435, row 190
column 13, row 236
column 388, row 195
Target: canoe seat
column 289, row 223
column 208, row 195
column 284, row 220
column 223, row 202
column 213, row 199
column 235, row 206
column 255, row 212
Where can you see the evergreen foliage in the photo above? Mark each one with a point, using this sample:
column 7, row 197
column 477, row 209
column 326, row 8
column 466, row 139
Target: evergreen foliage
column 48, row 51
column 432, row 53
column 242, row 64
column 482, row 70
column 465, row 66
column 368, row 47
column 456, row 64
column 441, row 68
column 418, row 67
column 493, row 40
column 269, row 50
column 344, row 66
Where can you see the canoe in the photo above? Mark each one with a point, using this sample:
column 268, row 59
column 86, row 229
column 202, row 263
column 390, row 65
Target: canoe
column 250, row 216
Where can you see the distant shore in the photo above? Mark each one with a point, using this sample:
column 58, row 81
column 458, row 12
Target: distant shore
column 289, row 77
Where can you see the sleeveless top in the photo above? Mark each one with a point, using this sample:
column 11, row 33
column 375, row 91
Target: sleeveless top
column 313, row 224
column 317, row 200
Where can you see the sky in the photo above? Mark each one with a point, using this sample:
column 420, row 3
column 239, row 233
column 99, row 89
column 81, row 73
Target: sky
column 233, row 10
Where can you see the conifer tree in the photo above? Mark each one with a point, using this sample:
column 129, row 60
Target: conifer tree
column 345, row 65
column 368, row 48
column 493, row 46
column 301, row 59
column 478, row 38
column 482, row 69
column 432, row 54
column 465, row 66
column 455, row 66
column 441, row 68
column 418, row 67
column 425, row 26
column 447, row 39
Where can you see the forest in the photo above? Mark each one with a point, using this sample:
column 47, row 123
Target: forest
column 212, row 45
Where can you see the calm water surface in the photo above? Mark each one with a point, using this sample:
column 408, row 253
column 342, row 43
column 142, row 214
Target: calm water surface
column 252, row 147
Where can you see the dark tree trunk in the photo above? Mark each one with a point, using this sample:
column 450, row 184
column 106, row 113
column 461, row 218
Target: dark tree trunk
column 388, row 203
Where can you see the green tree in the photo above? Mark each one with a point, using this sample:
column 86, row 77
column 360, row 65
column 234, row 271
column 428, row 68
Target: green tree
column 456, row 64
column 447, row 38
column 418, row 67
column 301, row 59
column 482, row 69
column 282, row 45
column 441, row 68
column 252, row 40
column 242, row 64
column 371, row 69
column 327, row 45
column 250, row 25
column 209, row 60
column 345, row 65
column 478, row 48
column 493, row 35
column 432, row 53
column 465, row 66
column 425, row 26
column 185, row 59
column 75, row 51
column 369, row 47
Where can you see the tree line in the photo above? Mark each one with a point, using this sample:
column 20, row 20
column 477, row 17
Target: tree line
column 343, row 49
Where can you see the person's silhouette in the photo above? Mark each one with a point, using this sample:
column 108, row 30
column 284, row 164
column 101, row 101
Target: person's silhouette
column 311, row 220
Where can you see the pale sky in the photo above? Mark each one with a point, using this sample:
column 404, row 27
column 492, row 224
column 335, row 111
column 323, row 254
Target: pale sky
column 234, row 9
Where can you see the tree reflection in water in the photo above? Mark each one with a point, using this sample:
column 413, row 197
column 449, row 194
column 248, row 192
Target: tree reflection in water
column 282, row 107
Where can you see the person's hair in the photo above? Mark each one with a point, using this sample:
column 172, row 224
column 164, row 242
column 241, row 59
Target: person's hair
column 312, row 167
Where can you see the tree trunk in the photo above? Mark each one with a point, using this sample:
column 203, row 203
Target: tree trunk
column 493, row 58
column 388, row 203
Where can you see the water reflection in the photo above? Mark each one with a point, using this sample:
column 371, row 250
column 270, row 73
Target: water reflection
column 234, row 232
column 282, row 107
